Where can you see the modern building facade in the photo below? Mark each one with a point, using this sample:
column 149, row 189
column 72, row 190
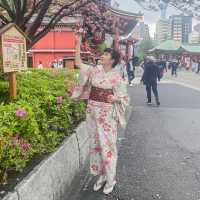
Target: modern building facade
column 194, row 37
column 146, row 32
column 141, row 31
column 181, row 27
column 163, row 30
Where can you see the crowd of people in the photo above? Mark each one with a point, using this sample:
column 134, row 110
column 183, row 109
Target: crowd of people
column 53, row 64
column 196, row 66
column 176, row 64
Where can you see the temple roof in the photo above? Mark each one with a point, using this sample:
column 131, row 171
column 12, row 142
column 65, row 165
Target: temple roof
column 168, row 45
column 67, row 21
column 124, row 14
column 127, row 21
column 177, row 47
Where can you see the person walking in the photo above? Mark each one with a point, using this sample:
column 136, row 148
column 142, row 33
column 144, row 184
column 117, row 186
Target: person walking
column 40, row 65
column 130, row 71
column 198, row 67
column 162, row 66
column 131, row 68
column 150, row 76
column 174, row 66
column 122, row 70
column 107, row 100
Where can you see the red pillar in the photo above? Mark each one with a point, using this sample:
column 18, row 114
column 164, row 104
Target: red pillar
column 116, row 37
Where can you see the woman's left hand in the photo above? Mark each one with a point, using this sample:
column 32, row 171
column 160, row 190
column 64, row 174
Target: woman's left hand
column 112, row 99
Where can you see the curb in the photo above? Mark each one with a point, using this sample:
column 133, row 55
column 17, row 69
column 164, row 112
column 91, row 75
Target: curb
column 51, row 179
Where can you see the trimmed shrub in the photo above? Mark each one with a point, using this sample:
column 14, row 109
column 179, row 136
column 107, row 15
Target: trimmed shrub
column 41, row 116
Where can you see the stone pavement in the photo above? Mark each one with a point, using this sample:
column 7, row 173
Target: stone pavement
column 159, row 157
column 185, row 78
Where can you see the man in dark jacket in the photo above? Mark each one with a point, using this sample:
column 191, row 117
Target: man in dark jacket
column 198, row 69
column 131, row 68
column 162, row 66
column 150, row 76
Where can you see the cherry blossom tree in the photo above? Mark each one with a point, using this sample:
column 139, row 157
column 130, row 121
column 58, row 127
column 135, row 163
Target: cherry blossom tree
column 29, row 14
column 189, row 7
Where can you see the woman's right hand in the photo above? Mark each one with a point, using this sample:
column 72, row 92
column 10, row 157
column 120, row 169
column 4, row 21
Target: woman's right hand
column 113, row 99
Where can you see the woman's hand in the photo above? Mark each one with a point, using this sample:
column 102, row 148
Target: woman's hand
column 113, row 99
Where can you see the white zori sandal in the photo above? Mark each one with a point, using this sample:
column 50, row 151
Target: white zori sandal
column 109, row 188
column 99, row 184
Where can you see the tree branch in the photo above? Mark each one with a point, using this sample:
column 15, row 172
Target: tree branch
column 54, row 21
column 37, row 23
column 6, row 7
column 4, row 19
column 33, row 10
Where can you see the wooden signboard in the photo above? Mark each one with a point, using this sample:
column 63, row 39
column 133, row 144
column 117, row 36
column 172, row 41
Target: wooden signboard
column 13, row 56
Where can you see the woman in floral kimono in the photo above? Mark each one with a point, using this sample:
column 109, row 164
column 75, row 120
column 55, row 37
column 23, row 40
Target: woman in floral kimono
column 107, row 99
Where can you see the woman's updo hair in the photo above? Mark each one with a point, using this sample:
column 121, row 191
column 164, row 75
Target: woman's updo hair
column 115, row 55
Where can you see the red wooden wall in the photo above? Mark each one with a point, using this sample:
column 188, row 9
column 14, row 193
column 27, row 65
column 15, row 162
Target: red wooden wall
column 54, row 46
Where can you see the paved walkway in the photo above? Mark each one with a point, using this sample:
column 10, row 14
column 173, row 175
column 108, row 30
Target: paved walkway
column 159, row 157
column 185, row 78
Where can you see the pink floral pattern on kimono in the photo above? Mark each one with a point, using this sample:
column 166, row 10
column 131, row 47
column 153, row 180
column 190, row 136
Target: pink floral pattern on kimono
column 103, row 119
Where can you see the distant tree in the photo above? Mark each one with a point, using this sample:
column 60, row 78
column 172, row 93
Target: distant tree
column 144, row 47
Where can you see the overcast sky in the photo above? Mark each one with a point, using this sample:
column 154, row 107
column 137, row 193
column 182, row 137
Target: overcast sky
column 150, row 17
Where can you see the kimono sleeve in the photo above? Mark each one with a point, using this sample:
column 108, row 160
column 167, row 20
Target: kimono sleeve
column 120, row 90
column 82, row 88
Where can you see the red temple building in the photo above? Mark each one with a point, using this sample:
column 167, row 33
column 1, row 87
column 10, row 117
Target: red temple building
column 57, row 47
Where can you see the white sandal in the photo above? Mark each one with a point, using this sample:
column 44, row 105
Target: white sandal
column 109, row 188
column 99, row 184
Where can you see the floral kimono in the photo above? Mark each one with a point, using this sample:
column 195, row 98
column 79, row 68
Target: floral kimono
column 103, row 118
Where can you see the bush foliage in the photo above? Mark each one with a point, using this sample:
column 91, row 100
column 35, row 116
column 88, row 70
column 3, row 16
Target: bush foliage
column 41, row 116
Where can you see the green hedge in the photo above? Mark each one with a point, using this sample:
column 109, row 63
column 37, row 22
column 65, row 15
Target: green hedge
column 42, row 115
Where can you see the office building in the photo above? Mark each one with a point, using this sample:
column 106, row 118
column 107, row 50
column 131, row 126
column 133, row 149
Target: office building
column 141, row 31
column 163, row 30
column 181, row 27
column 194, row 37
